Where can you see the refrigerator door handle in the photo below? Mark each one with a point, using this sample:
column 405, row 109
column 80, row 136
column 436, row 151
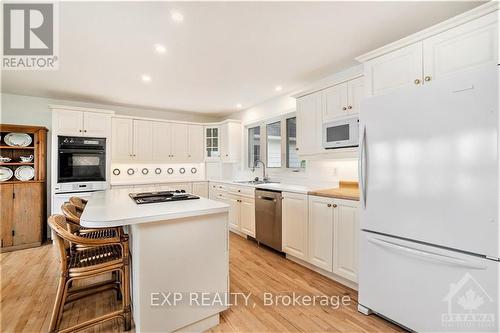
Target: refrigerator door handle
column 361, row 166
column 430, row 256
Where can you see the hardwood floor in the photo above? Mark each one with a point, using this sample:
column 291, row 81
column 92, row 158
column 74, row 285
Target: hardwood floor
column 29, row 281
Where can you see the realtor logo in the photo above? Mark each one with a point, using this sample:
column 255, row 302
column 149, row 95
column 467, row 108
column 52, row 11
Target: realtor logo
column 469, row 305
column 29, row 36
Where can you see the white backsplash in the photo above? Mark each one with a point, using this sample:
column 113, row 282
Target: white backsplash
column 317, row 172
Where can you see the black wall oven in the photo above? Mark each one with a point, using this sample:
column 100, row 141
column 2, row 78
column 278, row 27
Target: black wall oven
column 81, row 159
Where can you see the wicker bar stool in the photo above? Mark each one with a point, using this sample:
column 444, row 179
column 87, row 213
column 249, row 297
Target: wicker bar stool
column 73, row 215
column 101, row 256
column 78, row 202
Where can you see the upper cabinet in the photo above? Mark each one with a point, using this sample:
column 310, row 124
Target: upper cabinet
column 156, row 141
column 465, row 47
column 342, row 99
column 74, row 122
column 223, row 141
column 468, row 46
column 309, row 123
column 395, row 70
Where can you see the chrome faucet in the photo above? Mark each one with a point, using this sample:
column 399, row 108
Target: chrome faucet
column 264, row 176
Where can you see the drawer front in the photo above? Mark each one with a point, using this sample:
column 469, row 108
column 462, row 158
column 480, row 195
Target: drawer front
column 242, row 190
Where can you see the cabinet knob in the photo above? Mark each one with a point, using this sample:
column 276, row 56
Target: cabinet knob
column 334, row 205
column 297, row 148
column 417, row 81
column 427, row 78
column 344, row 108
column 80, row 131
column 349, row 107
column 85, row 131
column 189, row 155
column 329, row 205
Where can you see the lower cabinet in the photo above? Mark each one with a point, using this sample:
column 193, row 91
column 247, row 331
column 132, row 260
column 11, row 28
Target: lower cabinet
column 345, row 239
column 22, row 214
column 247, row 216
column 241, row 203
column 295, row 224
column 322, row 231
column 200, row 189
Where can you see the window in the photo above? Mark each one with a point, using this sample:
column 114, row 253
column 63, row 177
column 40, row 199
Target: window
column 292, row 159
column 273, row 133
column 253, row 145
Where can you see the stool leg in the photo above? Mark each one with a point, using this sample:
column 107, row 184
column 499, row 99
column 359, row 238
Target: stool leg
column 126, row 297
column 63, row 301
column 58, row 304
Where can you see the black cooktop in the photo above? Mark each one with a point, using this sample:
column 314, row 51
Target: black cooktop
column 161, row 196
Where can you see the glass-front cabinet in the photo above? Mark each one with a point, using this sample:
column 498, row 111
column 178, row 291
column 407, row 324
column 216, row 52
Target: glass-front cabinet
column 212, row 142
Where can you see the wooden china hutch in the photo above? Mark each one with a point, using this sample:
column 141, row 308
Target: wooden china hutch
column 23, row 202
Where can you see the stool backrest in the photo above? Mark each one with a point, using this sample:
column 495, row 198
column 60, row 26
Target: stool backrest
column 78, row 202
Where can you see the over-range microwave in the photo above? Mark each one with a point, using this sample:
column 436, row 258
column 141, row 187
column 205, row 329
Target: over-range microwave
column 341, row 133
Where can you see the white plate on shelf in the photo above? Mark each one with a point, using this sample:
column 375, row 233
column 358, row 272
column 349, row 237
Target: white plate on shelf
column 5, row 174
column 17, row 139
column 24, row 173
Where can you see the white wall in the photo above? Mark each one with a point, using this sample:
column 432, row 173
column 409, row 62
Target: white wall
column 317, row 171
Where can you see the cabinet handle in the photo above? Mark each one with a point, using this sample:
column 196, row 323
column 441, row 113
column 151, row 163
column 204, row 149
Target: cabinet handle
column 427, row 78
column 80, row 131
column 349, row 107
column 334, row 205
column 189, row 155
column 13, row 233
column 85, row 131
column 329, row 205
column 344, row 108
column 417, row 81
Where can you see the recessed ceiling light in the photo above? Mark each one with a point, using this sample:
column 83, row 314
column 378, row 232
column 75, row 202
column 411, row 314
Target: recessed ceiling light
column 176, row 16
column 145, row 78
column 239, row 106
column 160, row 48
column 278, row 88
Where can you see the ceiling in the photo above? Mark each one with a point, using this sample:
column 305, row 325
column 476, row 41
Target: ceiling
column 222, row 54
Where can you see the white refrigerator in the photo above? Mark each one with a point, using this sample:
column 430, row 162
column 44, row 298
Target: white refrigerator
column 429, row 182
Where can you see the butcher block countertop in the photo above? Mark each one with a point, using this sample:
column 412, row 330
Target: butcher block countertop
column 347, row 190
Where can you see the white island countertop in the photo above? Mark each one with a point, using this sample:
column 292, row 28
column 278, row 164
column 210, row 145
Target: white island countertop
column 114, row 208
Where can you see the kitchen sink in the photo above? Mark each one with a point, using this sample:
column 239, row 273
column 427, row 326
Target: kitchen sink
column 256, row 182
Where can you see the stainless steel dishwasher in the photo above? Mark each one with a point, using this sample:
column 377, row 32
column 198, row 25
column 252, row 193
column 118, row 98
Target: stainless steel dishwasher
column 268, row 218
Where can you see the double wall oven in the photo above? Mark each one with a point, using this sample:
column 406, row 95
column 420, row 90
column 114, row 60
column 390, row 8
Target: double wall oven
column 81, row 164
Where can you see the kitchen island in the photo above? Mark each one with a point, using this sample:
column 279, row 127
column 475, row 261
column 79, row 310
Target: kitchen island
column 179, row 253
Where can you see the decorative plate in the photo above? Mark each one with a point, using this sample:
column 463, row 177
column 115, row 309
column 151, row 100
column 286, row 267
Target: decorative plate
column 5, row 174
column 116, row 172
column 4, row 159
column 158, row 171
column 130, row 171
column 24, row 173
column 170, row 171
column 17, row 140
column 145, row 171
column 182, row 170
column 194, row 170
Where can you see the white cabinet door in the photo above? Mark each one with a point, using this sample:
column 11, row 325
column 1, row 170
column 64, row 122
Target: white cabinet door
column 355, row 93
column 401, row 68
column 247, row 216
column 334, row 102
column 466, row 47
column 212, row 143
column 234, row 211
column 230, row 141
column 200, row 189
column 295, row 224
column 309, row 124
column 95, row 124
column 162, row 141
column 121, row 139
column 180, row 143
column 195, row 140
column 345, row 239
column 320, row 232
column 69, row 123
column 143, row 140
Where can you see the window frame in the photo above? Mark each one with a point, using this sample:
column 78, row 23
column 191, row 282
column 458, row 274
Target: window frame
column 263, row 143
